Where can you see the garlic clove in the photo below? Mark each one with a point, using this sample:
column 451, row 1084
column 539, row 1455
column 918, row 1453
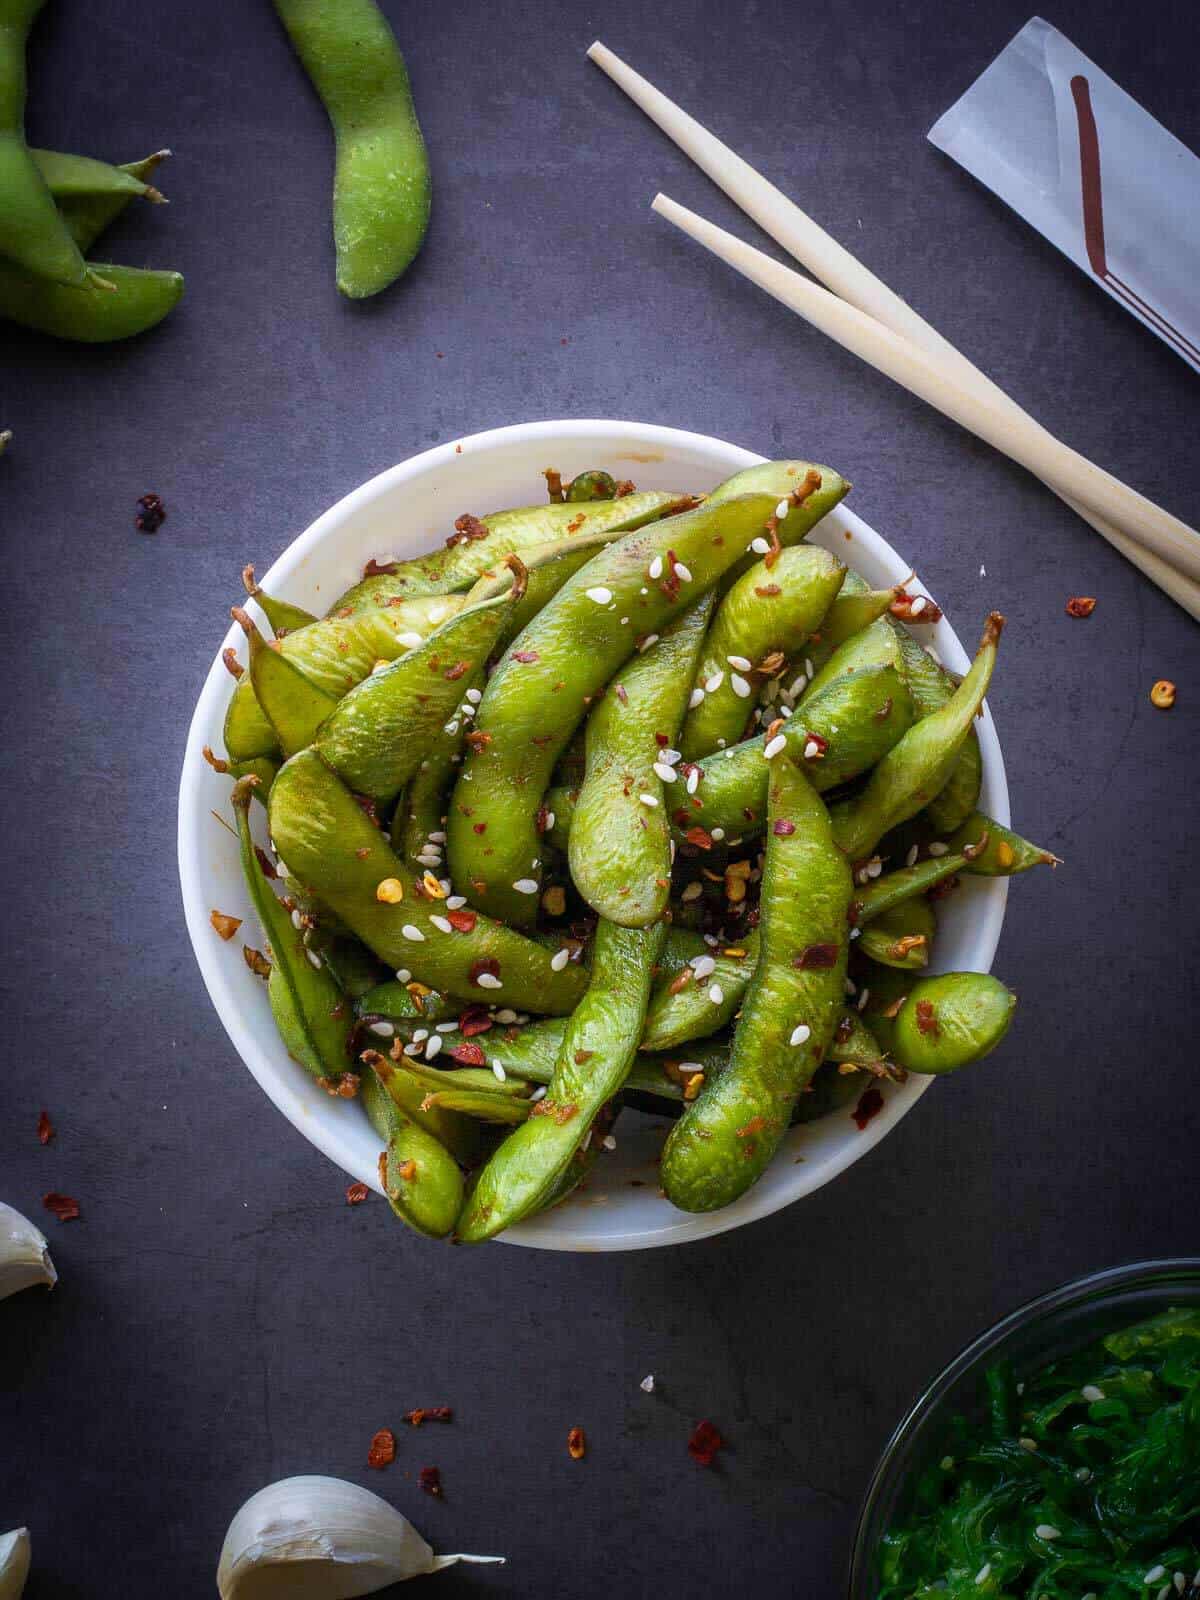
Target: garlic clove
column 24, row 1254
column 15, row 1551
column 314, row 1538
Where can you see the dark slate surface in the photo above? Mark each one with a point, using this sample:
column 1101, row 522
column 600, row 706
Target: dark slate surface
column 223, row 1319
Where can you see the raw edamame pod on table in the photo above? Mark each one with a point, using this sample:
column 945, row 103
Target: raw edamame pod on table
column 620, row 852
column 72, row 178
column 134, row 301
column 721, row 1145
column 381, row 187
column 597, row 1051
column 332, row 847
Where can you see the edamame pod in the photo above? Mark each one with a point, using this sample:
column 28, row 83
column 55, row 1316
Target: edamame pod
column 901, row 935
column 931, row 687
column 599, row 1044
column 87, row 215
column 480, row 544
column 419, row 821
column 721, row 1145
column 916, row 768
column 879, row 895
column 422, row 1180
column 381, row 186
column 951, row 1020
column 133, row 301
column 620, row 850
column 1005, row 852
column 854, row 609
column 293, row 704
column 768, row 611
column 803, row 492
column 70, row 177
column 546, row 680
column 281, row 614
column 457, row 1133
column 854, row 1046
column 330, row 844
column 693, row 1007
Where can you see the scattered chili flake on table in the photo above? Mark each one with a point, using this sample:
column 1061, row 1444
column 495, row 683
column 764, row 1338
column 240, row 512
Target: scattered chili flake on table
column 383, row 1450
column 1080, row 605
column 870, row 1104
column 1163, row 694
column 429, row 1414
column 225, row 925
column 430, row 1479
column 704, row 1443
column 356, row 1194
column 61, row 1205
column 45, row 1128
column 576, row 1444
column 151, row 514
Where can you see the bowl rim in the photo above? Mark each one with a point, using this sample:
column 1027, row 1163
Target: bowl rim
column 1106, row 1280
column 538, row 1232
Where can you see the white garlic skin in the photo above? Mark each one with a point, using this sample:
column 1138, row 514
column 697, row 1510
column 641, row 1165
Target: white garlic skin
column 24, row 1255
column 15, row 1553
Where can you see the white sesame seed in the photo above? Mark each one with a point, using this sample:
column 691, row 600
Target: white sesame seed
column 800, row 1034
column 1028, row 1444
column 739, row 686
column 808, row 666
column 1091, row 1393
column 466, row 710
column 412, row 933
column 1155, row 1575
column 1021, row 1388
column 526, row 886
column 671, row 756
column 695, row 698
column 655, row 569
column 297, row 919
column 784, row 711
column 609, row 1142
column 811, row 749
column 539, row 1093
column 693, row 891
column 1083, row 1473
column 420, row 1035
column 445, row 885
column 714, row 682
column 874, row 867
column 984, row 1573
column 624, row 621
column 684, row 574
column 651, row 638
column 917, row 606
column 937, row 848
column 410, row 641
column 717, row 835
column 716, row 994
column 599, row 594
column 1164, row 1592
column 441, row 924
column 702, row 965
column 413, row 1049
column 643, row 590
column 1047, row 1530
column 1180, row 1582
column 663, row 771
column 559, row 959
column 863, row 998
column 849, row 985
column 506, row 1015
column 385, row 1030
column 430, row 858
column 446, row 1027
column 550, row 820
column 910, row 859
column 474, row 696
column 648, row 800
column 404, row 975
column 782, row 509
column 647, row 1384
column 455, row 902
column 452, row 726
column 689, row 1067
column 740, row 662
column 434, row 1046
column 856, row 933
column 314, row 960
column 693, row 780
column 947, row 1463
column 797, row 685
column 774, row 746
column 760, row 546
column 488, row 980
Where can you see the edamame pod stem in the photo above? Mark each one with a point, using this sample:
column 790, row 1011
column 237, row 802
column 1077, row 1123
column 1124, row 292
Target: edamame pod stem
column 281, row 614
column 769, row 612
column 620, row 850
column 479, row 545
column 132, row 301
column 294, row 705
column 916, row 768
column 381, row 187
column 546, row 680
column 599, row 1044
column 951, row 1020
column 931, row 687
column 311, row 1012
column 683, row 1008
column 458, row 1134
column 330, row 844
column 901, row 936
column 420, row 1177
column 721, row 1145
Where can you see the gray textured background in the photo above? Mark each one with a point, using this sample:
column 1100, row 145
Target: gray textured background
column 223, row 1317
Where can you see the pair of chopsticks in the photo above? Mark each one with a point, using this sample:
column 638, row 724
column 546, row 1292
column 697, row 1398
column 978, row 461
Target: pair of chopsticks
column 864, row 316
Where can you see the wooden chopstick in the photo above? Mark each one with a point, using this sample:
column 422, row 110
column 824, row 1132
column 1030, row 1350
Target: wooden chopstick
column 858, row 286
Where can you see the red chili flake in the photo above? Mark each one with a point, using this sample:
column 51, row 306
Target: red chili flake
column 625, row 486
column 429, row 1414
column 583, row 1055
column 783, row 829
column 621, row 695
column 815, row 956
column 927, row 1021
column 542, row 820
column 755, row 1125
column 256, row 961
column 661, row 740
column 768, row 591
column 430, row 1479
column 484, row 964
column 576, row 1444
column 407, row 1170
column 941, row 890
column 458, row 670
column 151, row 514
column 468, row 1055
column 363, row 851
column 232, row 665
column 1080, row 605
column 479, row 827
column 383, row 1450
column 225, row 925
column 265, row 862
column 469, row 527
column 700, row 837
column 368, row 807
column 526, row 656
column 902, row 608
column 356, row 1194
column 474, row 1020
column 870, row 1104
column 704, row 1443
column 61, row 1206
column 464, row 921
column 821, row 744
column 380, row 569
column 478, row 740
column 46, row 1129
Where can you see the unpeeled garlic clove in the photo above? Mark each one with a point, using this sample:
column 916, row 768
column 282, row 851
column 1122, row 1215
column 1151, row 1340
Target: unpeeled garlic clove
column 15, row 1551
column 24, row 1254
column 313, row 1538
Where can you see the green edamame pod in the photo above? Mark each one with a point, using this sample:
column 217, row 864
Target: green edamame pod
column 680, row 1011
column 803, row 494
column 133, row 301
column 466, row 1092
column 599, row 1044
column 931, row 687
column 885, row 989
column 292, row 703
column 901, row 935
column 543, row 685
column 396, row 1002
column 620, row 850
column 282, row 615
column 319, row 829
column 481, row 543
column 88, row 215
column 1005, row 852
column 892, row 889
column 310, row 1010
column 854, row 1046
column 854, row 609
column 915, row 769
column 421, row 1179
column 456, row 1133
column 721, row 1145
column 949, row 1021
column 376, row 737
column 70, row 177
column 381, row 188
column 768, row 610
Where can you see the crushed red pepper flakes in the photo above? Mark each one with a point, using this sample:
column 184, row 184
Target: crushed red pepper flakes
column 232, row 665
column 576, row 1444
column 468, row 1055
column 870, row 1104
column 782, row 828
column 151, row 513
column 681, row 980
column 61, row 1206
column 383, row 1449
column 407, row 1170
column 380, row 569
column 941, row 890
column 821, row 744
column 458, row 670
column 1081, row 605
column 256, row 961
column 485, row 964
column 700, row 837
column 468, row 528
column 474, row 1020
column 704, row 1443
column 583, row 1055
column 526, row 657
column 429, row 1414
column 815, row 956
column 430, row 1480
column 45, row 1128
column 478, row 741
column 342, row 1087
column 265, row 862
column 768, row 591
column 225, row 926
column 463, row 921
column 902, row 608
column 927, row 1021
column 356, row 1194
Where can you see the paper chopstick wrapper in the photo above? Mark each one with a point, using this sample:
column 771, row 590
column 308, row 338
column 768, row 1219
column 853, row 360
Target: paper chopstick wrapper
column 1091, row 169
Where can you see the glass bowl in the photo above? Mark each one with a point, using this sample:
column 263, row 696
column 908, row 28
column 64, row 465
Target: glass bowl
column 1044, row 1330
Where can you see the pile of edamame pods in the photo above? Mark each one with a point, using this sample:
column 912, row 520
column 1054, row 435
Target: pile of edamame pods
column 623, row 797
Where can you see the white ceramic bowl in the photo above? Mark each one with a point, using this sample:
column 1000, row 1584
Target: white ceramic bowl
column 406, row 511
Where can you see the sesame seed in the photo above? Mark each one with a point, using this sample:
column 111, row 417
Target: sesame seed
column 420, row 1035
column 455, row 902
column 643, row 590
column 910, row 859
column 937, row 848
column 713, row 683
column 693, row 891
column 717, row 835
column 410, row 641
column 452, row 726
column 1155, row 1575
column 689, row 1067
column 984, row 1573
column 488, row 980
column 412, row 1049
column 808, row 666
column 702, row 965
column 856, row 933
column 648, row 799
column 1091, row 1393
column 442, row 924
column 1181, row 1582
column 671, row 756
column 917, row 606
column 800, row 1034
column 1021, row 1388
column 811, row 749
column 474, row 696
column 716, row 994
column 403, row 975
column 506, row 1015
column 599, row 594
column 526, row 886
column 434, row 1046
column 693, row 780
column 609, row 1142
column 499, row 1072
column 739, row 686
column 624, row 621
column 651, row 638
column 1028, row 1444
column 874, row 867
column 684, row 574
column 410, row 932
column 654, row 571
column 539, row 1093
column 437, row 838
column 1083, row 1473
column 559, row 959
column 385, row 1030
column 297, row 919
column 740, row 662
column 445, row 1027
column 863, row 998
column 782, row 509
column 666, row 773
column 947, row 1463
column 760, row 546
column 849, row 985
column 1047, row 1530
column 798, row 684
column 774, row 746
column 647, row 1384
column 695, row 698
column 314, row 960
